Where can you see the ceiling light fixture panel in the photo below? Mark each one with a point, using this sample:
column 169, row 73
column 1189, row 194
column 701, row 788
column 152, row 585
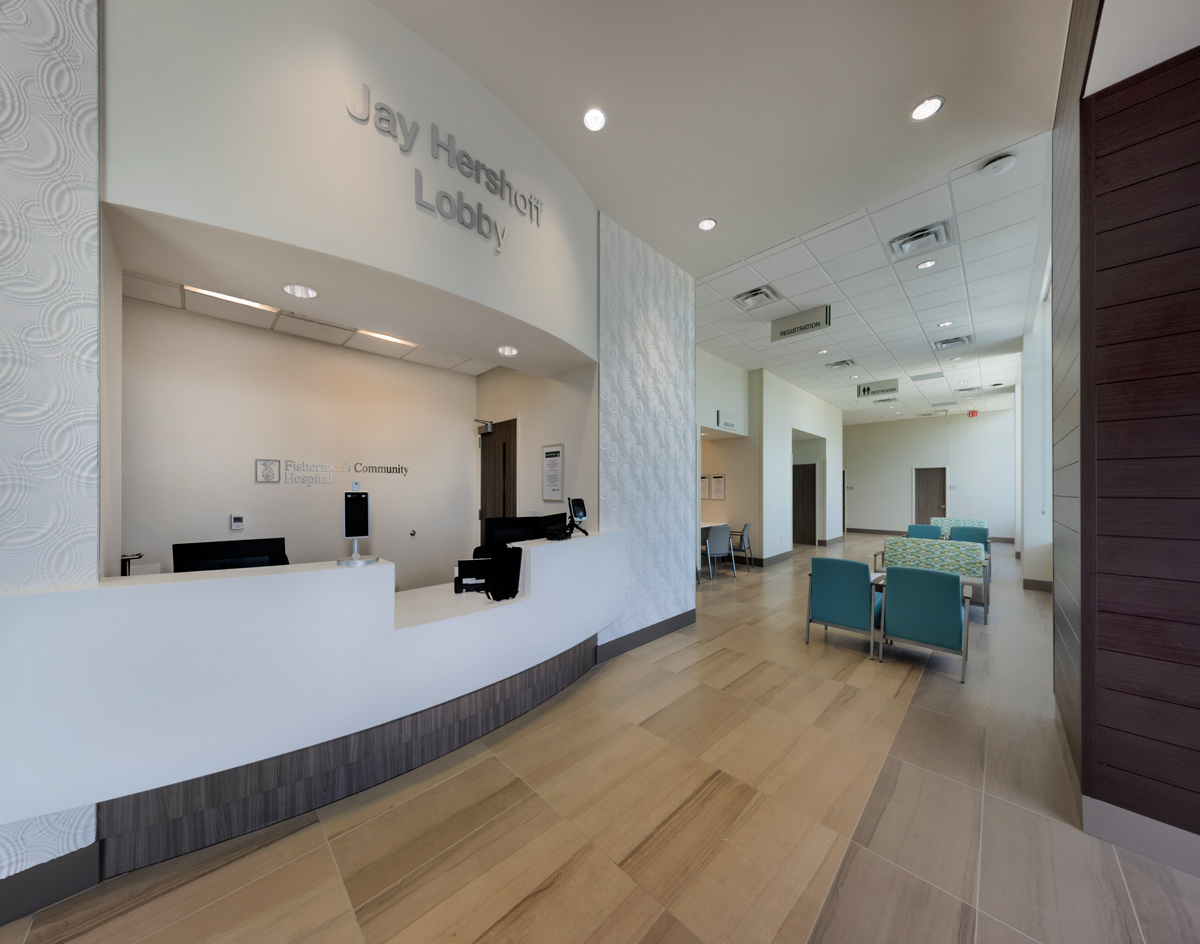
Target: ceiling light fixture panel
column 594, row 119
column 707, row 224
column 928, row 108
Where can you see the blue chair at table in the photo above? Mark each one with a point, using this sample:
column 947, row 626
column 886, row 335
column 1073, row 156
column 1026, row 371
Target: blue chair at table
column 926, row 607
column 925, row 531
column 840, row 595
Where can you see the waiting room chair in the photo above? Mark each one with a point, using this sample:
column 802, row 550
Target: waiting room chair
column 742, row 544
column 978, row 535
column 719, row 544
column 925, row 531
column 926, row 607
column 840, row 595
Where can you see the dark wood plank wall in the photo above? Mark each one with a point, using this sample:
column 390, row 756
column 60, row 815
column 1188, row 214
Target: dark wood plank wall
column 1065, row 353
column 1140, row 294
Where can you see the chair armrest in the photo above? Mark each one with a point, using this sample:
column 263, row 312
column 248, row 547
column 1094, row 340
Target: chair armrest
column 876, row 559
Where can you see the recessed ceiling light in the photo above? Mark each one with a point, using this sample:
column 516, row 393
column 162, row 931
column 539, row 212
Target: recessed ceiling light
column 955, row 359
column 301, row 291
column 927, row 264
column 385, row 337
column 945, row 324
column 230, row 298
column 854, row 376
column 593, row 119
column 823, row 351
column 708, row 224
column 928, row 108
column 508, row 350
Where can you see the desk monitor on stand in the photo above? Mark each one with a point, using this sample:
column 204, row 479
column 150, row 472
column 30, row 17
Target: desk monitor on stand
column 357, row 525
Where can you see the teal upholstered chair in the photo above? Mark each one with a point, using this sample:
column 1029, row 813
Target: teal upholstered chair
column 965, row 558
column 962, row 532
column 840, row 595
column 925, row 531
column 925, row 607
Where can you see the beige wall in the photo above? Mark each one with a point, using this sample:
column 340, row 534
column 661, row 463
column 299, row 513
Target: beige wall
column 560, row 409
column 737, row 460
column 204, row 398
column 110, row 403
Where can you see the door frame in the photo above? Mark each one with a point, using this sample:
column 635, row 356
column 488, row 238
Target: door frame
column 912, row 489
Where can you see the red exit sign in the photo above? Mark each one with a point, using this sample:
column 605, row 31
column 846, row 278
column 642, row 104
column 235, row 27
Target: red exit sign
column 972, row 412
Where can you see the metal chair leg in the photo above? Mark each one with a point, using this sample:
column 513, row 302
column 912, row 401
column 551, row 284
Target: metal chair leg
column 732, row 561
column 708, row 554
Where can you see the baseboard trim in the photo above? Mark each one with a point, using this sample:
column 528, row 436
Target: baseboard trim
column 1046, row 586
column 1002, row 540
column 832, row 541
column 1141, row 834
column 875, row 531
column 777, row 559
column 615, row 647
column 27, row 891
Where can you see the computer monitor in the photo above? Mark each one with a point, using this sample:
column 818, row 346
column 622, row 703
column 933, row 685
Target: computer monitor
column 502, row 531
column 228, row 555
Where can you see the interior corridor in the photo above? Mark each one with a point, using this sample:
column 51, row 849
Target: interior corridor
column 725, row 784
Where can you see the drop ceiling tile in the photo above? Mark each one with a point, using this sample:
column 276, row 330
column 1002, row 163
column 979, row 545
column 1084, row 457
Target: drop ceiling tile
column 841, row 241
column 718, row 344
column 711, row 314
column 898, row 309
column 230, row 311
column 856, row 263
column 738, row 322
column 755, row 333
column 1021, row 206
column 1004, row 297
column 707, row 333
column 424, row 355
column 741, row 279
column 935, row 299
column 900, row 334
column 1017, row 278
column 878, row 298
column 762, row 344
column 868, row 282
column 893, row 324
column 788, row 261
column 1015, row 310
column 974, row 189
column 316, row 331
column 801, row 283
column 705, row 296
column 772, row 310
column 720, row 272
column 149, row 291
column 934, row 282
column 1000, row 262
column 954, row 311
column 474, row 368
column 913, row 213
column 1011, row 237
column 828, row 295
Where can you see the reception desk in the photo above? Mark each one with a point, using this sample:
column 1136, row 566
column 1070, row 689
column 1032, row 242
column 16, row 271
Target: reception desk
column 229, row 689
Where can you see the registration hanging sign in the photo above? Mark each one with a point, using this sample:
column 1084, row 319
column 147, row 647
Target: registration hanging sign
column 815, row 319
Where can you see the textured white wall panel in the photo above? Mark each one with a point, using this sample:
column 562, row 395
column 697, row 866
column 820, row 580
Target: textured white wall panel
column 33, row 841
column 648, row 424
column 49, row 293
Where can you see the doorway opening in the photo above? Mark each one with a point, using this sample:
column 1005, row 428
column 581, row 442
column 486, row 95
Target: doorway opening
column 929, row 494
column 498, row 473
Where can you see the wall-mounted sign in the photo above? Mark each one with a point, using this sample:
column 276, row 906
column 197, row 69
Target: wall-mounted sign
column 718, row 488
column 704, row 488
column 815, row 319
column 301, row 472
column 726, row 423
column 971, row 414
column 450, row 204
column 552, row 472
column 877, row 388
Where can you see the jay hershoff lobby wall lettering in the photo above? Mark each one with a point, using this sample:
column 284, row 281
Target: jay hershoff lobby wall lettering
column 450, row 206
column 299, row 472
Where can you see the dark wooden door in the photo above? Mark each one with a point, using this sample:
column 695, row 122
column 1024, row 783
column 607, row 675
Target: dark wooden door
column 498, row 472
column 931, row 494
column 804, row 504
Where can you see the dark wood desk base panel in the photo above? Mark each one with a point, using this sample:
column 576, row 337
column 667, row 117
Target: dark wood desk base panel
column 144, row 828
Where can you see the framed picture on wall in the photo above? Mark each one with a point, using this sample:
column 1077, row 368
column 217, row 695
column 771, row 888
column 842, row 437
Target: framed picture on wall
column 718, row 488
column 553, row 472
column 704, row 488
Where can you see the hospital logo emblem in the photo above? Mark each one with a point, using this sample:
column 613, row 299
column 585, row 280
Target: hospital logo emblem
column 266, row 470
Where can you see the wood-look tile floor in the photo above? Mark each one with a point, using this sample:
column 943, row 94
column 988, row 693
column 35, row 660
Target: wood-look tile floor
column 726, row 784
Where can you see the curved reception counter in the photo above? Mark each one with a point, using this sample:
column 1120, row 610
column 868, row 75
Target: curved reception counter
column 196, row 707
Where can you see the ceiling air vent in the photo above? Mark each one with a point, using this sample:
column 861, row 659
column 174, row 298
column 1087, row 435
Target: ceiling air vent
column 838, row 365
column 967, row 390
column 933, row 413
column 757, row 297
column 946, row 343
column 887, row 400
column 936, row 375
column 947, row 403
column 919, row 240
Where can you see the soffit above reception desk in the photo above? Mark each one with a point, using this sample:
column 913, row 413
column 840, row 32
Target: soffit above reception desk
column 185, row 252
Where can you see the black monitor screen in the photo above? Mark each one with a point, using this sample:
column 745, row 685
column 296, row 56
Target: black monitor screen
column 506, row 530
column 228, row 555
column 357, row 524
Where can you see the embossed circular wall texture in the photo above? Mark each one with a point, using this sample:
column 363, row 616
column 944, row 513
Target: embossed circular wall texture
column 648, row 424
column 49, row 293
